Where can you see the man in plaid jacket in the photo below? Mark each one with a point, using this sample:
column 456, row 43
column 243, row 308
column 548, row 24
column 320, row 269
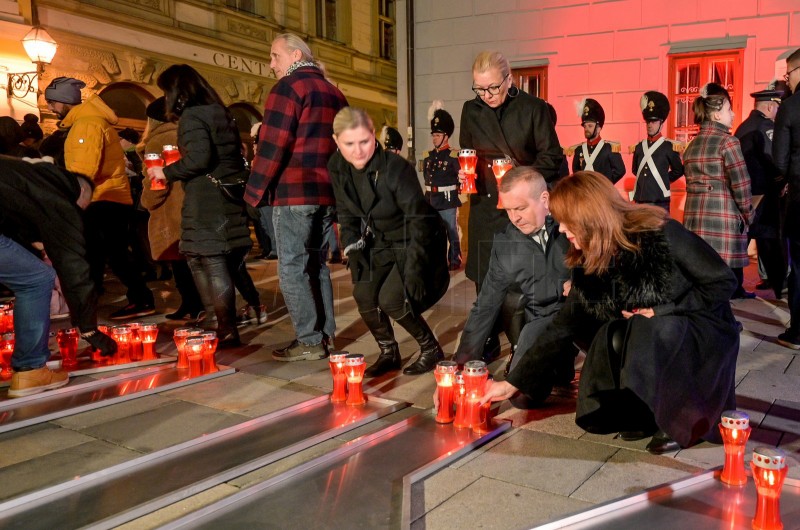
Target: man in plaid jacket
column 289, row 172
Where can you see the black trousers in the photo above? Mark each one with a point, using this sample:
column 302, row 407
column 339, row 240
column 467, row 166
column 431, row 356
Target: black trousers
column 216, row 278
column 381, row 286
column 106, row 229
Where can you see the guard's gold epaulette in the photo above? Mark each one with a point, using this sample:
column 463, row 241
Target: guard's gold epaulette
column 632, row 149
column 454, row 153
column 426, row 154
column 569, row 151
column 678, row 147
column 616, row 147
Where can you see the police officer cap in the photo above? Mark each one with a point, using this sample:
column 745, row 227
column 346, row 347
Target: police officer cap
column 442, row 122
column 591, row 110
column 392, row 139
column 655, row 106
column 775, row 91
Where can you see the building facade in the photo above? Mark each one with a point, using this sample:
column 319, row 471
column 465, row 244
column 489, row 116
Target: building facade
column 120, row 47
column 609, row 50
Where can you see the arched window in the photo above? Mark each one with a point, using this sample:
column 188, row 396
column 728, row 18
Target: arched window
column 128, row 101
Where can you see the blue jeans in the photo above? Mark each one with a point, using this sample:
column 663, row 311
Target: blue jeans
column 32, row 282
column 266, row 228
column 305, row 280
column 450, row 217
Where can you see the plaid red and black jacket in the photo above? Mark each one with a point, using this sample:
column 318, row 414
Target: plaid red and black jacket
column 295, row 142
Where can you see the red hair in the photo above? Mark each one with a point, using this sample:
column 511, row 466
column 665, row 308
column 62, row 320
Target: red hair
column 602, row 221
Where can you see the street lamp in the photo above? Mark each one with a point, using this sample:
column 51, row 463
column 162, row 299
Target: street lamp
column 41, row 48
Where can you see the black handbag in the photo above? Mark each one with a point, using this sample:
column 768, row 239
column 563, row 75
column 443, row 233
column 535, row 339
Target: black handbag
column 232, row 188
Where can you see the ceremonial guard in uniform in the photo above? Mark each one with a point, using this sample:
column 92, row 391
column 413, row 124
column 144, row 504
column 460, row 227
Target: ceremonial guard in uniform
column 596, row 154
column 656, row 160
column 755, row 136
column 440, row 168
column 392, row 141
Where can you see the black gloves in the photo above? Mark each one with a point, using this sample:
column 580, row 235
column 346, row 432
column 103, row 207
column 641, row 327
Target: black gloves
column 100, row 341
column 415, row 287
column 358, row 264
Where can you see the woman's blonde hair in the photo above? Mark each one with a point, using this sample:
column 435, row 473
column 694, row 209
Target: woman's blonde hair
column 352, row 118
column 602, row 221
column 486, row 60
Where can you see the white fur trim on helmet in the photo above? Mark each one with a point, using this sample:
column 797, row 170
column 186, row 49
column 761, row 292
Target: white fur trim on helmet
column 704, row 91
column 643, row 101
column 436, row 104
column 579, row 105
column 384, row 132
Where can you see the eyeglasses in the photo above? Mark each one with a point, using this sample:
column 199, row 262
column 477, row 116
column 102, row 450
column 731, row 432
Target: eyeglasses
column 493, row 90
column 785, row 76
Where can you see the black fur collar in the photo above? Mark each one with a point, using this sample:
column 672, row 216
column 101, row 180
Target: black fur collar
column 634, row 280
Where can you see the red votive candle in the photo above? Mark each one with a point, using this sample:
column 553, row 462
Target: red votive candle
column 67, row 340
column 460, row 402
column 769, row 472
column 475, row 376
column 499, row 167
column 154, row 160
column 337, row 362
column 735, row 429
column 6, row 351
column 170, row 154
column 195, row 346
column 468, row 160
column 445, row 375
column 179, row 336
column 354, row 367
column 149, row 334
column 136, row 341
column 122, row 336
column 209, row 361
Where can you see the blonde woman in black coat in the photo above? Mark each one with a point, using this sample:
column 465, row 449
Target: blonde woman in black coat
column 395, row 242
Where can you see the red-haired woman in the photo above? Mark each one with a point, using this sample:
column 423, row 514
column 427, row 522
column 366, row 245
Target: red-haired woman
column 717, row 183
column 649, row 304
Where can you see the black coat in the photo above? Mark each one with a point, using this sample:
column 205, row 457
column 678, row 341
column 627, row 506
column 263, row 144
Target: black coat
column 38, row 203
column 786, row 154
column 608, row 162
column 669, row 166
column 522, row 129
column 755, row 136
column 209, row 143
column 517, row 263
column 406, row 229
column 680, row 364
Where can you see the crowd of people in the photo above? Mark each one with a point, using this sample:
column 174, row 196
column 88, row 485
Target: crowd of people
column 560, row 262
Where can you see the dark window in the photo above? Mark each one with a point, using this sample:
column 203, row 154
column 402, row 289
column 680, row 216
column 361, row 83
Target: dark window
column 532, row 80
column 326, row 19
column 688, row 74
column 386, row 24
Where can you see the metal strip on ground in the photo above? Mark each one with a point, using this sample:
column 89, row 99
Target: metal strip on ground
column 124, row 492
column 700, row 501
column 75, row 398
column 356, row 486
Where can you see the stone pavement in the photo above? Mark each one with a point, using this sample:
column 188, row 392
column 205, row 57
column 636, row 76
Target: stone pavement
column 543, row 468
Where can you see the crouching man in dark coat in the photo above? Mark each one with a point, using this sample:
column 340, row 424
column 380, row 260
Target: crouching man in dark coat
column 649, row 299
column 528, row 256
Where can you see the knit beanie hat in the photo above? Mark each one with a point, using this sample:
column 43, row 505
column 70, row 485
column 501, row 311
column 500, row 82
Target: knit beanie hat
column 64, row 90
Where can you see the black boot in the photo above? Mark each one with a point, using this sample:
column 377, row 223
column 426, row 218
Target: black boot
column 430, row 351
column 380, row 327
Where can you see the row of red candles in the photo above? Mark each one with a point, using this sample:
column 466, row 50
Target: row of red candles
column 460, row 394
column 768, row 466
column 196, row 349
column 348, row 376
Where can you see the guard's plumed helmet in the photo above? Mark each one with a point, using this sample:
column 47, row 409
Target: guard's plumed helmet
column 392, row 138
column 590, row 110
column 441, row 121
column 655, row 106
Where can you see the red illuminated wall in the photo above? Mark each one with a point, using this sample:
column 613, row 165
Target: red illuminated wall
column 612, row 50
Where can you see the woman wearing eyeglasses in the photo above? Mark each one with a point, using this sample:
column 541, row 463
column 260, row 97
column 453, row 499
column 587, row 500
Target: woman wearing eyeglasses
column 501, row 121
